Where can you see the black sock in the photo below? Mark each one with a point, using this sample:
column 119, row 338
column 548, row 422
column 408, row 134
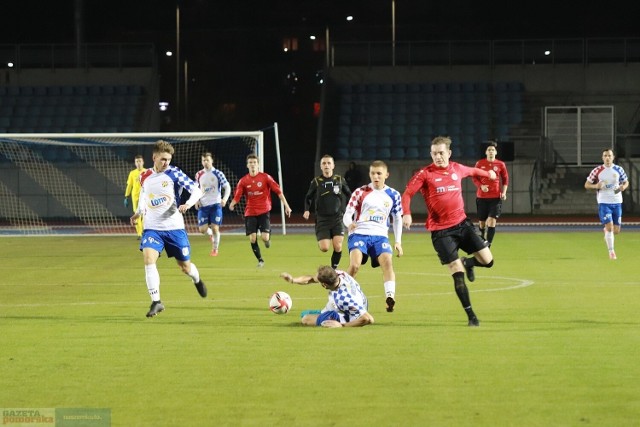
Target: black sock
column 256, row 251
column 335, row 259
column 473, row 262
column 482, row 230
column 462, row 292
column 491, row 231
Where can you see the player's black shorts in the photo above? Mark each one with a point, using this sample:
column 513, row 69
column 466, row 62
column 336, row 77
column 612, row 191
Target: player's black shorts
column 254, row 223
column 488, row 208
column 329, row 226
column 465, row 236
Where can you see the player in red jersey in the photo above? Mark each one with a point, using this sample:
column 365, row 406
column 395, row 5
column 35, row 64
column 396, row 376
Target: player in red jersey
column 257, row 186
column 451, row 230
column 490, row 193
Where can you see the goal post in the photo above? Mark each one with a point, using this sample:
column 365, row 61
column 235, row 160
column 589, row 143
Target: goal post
column 75, row 183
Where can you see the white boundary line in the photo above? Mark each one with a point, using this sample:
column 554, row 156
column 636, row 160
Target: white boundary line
column 520, row 283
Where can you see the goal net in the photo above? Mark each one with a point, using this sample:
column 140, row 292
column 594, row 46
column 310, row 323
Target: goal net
column 75, row 183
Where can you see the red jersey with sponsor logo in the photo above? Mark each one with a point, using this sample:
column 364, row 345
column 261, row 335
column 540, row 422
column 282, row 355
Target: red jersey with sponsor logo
column 495, row 186
column 257, row 189
column 441, row 189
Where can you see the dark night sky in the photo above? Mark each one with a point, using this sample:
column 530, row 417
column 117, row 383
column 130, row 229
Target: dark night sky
column 29, row 21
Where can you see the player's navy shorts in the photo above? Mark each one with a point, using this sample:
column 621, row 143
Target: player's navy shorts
column 327, row 315
column 370, row 246
column 329, row 226
column 174, row 242
column 465, row 236
column 211, row 214
column 260, row 222
column 488, row 208
column 610, row 212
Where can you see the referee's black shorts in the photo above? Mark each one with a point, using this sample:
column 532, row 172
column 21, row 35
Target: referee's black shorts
column 329, row 226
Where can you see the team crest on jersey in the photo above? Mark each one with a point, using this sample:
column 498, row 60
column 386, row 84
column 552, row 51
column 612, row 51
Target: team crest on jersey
column 454, row 176
column 259, row 184
column 495, row 169
column 336, row 189
column 165, row 183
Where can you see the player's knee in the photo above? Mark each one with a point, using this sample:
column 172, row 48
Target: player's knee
column 308, row 320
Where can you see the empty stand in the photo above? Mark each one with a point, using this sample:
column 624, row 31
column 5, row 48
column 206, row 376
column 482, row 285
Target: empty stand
column 49, row 109
column 409, row 115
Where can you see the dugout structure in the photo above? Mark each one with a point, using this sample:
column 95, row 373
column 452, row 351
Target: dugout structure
column 75, row 183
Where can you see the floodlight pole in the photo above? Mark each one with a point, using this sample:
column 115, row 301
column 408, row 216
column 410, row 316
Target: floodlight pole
column 186, row 94
column 177, row 107
column 393, row 33
column 326, row 47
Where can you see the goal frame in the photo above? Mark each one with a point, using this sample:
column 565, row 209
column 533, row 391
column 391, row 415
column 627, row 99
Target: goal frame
column 110, row 140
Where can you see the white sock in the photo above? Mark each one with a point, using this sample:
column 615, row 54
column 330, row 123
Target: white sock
column 209, row 232
column 194, row 273
column 152, row 278
column 608, row 238
column 390, row 288
column 216, row 239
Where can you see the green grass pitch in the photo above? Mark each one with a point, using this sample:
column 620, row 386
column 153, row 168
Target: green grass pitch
column 558, row 343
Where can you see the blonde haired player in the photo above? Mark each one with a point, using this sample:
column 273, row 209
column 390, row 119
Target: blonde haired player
column 133, row 190
column 164, row 228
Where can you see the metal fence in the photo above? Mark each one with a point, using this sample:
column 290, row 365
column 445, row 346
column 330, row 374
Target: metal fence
column 485, row 52
column 107, row 55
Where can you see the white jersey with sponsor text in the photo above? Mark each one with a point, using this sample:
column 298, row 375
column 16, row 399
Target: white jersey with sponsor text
column 160, row 197
column 612, row 177
column 211, row 182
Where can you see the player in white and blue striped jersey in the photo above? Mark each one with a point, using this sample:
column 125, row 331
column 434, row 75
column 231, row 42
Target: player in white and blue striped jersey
column 164, row 228
column 347, row 305
column 609, row 180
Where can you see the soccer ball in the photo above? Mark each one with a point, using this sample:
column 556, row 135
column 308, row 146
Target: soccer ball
column 280, row 303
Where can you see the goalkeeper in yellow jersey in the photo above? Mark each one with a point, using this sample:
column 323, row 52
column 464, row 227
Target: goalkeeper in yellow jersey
column 133, row 190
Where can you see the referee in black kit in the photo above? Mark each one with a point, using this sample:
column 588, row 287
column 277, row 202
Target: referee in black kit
column 327, row 195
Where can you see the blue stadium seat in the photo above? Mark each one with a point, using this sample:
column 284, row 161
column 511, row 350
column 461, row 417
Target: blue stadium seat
column 468, row 87
column 383, row 142
column 342, row 154
column 20, row 110
column 383, row 153
column 412, row 141
column 413, row 88
column 384, row 130
column 412, row 153
column 342, row 141
column 397, row 153
column 356, row 142
column 414, row 119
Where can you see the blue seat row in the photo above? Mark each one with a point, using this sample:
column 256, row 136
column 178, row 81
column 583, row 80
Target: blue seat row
column 372, row 115
column 72, row 90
